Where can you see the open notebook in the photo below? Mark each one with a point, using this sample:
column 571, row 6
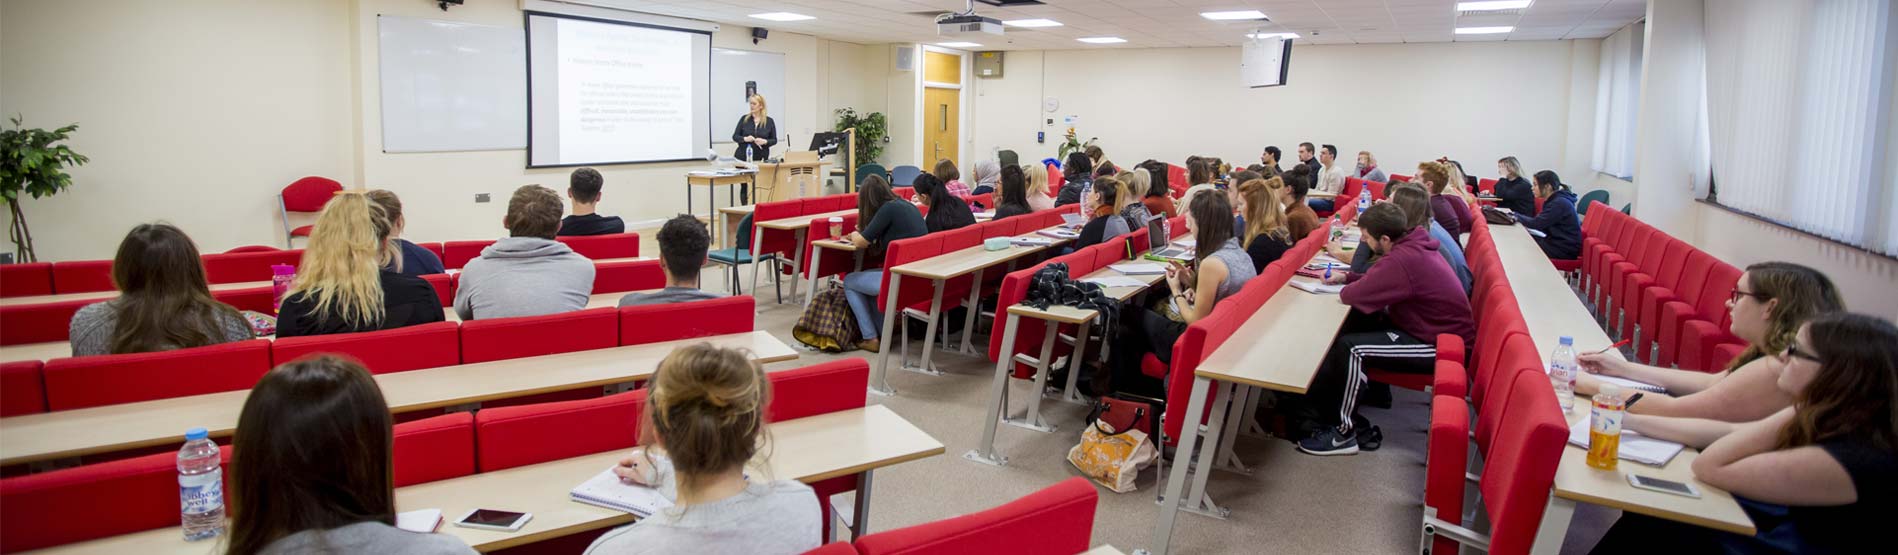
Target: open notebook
column 1633, row 447
column 1631, row 384
column 606, row 490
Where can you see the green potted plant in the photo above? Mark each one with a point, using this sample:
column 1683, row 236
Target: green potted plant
column 1072, row 143
column 871, row 129
column 33, row 163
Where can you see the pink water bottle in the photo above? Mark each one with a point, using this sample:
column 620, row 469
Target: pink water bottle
column 280, row 277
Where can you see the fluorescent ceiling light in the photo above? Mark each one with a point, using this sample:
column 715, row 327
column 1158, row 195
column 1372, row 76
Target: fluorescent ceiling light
column 1493, row 5
column 958, row 44
column 1483, row 30
column 1032, row 23
column 782, row 16
column 1102, row 40
column 1263, row 36
column 1228, row 16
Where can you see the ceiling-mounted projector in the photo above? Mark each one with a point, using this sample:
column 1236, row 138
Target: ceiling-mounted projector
column 967, row 24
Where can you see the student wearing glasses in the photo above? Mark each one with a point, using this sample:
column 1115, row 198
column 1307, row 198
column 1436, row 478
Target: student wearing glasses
column 1816, row 476
column 1768, row 304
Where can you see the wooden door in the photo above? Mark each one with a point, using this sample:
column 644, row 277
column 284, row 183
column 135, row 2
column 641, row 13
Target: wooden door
column 942, row 108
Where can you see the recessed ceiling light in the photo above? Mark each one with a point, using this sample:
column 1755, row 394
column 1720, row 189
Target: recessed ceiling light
column 1232, row 15
column 1493, row 5
column 1032, row 23
column 1263, row 36
column 958, row 44
column 782, row 16
column 1483, row 30
column 1102, row 40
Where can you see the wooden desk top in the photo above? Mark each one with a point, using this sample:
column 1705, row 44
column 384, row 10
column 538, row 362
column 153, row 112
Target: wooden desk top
column 807, row 449
column 1071, row 315
column 106, row 295
column 738, row 210
column 836, row 244
column 1552, row 310
column 716, row 180
column 1292, row 332
column 800, row 222
column 110, row 428
column 953, row 264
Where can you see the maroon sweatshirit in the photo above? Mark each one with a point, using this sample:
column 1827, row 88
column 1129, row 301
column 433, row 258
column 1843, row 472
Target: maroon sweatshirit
column 1418, row 289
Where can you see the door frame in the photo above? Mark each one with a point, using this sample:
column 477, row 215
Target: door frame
column 964, row 134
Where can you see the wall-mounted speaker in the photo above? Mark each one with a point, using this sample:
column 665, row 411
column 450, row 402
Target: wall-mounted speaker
column 905, row 58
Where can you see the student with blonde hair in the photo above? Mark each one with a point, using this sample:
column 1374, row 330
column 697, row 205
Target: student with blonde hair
column 1513, row 189
column 1038, row 198
column 1133, row 186
column 1265, row 236
column 704, row 420
column 344, row 285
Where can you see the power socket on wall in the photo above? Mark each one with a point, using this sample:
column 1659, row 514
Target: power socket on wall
column 481, row 197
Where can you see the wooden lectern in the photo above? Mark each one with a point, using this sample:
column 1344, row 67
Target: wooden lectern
column 795, row 177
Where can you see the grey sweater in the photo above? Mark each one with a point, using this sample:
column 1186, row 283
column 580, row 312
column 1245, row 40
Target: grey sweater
column 771, row 518
column 366, row 537
column 667, row 296
column 524, row 276
column 92, row 328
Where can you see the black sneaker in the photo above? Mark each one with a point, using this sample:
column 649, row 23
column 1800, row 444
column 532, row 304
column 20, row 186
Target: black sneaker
column 1329, row 442
column 1371, row 438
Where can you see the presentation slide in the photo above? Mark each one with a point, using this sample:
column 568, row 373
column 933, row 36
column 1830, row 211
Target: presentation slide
column 607, row 92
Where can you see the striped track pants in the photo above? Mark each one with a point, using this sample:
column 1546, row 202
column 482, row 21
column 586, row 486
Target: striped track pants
column 1342, row 378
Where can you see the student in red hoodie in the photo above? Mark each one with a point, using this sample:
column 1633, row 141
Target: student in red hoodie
column 1399, row 307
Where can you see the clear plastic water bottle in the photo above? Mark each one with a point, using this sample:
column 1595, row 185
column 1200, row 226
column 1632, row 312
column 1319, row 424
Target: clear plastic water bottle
column 200, row 487
column 1562, row 372
column 1337, row 229
column 1364, row 200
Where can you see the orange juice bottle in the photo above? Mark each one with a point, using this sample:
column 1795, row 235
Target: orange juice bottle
column 1604, row 427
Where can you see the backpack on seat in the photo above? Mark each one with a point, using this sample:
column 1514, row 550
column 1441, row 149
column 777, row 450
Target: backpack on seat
column 828, row 325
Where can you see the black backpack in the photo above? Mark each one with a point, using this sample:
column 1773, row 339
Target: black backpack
column 1051, row 286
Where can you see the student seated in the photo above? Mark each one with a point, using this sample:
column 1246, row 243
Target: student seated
column 988, row 176
column 584, row 188
column 1103, row 222
column 1815, row 476
column 343, row 285
column 1561, row 227
column 951, row 179
column 1766, row 307
column 886, row 217
column 1157, row 195
column 1078, row 175
column 1218, row 270
column 1038, row 198
column 415, row 260
column 312, row 472
column 1266, row 237
column 1513, row 190
column 946, row 210
column 682, row 245
column 1367, row 168
column 1132, row 184
column 1330, row 178
column 527, row 273
column 1096, row 158
column 706, row 410
column 1015, row 201
column 1416, row 205
column 1449, row 210
column 1299, row 217
column 1200, row 175
column 163, row 301
column 1398, row 308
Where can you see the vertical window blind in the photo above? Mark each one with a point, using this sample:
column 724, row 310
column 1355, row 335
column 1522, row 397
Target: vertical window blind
column 1801, row 103
column 1617, row 101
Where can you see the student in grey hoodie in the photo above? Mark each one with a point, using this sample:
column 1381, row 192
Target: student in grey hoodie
column 527, row 273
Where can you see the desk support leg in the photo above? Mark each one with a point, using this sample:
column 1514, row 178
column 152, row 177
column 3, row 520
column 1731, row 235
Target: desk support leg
column 1235, row 418
column 1075, row 365
column 1198, row 502
column 929, row 331
column 1176, row 480
column 1032, row 420
column 998, row 391
column 975, row 305
column 1554, row 527
column 860, row 522
column 797, row 261
column 810, row 275
column 1250, row 426
column 757, row 236
column 879, row 378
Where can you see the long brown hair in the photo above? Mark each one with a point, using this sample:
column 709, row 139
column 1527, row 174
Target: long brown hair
column 872, row 193
column 1855, row 391
column 1264, row 216
column 163, row 300
column 1803, row 293
column 1415, row 202
column 312, row 452
column 706, row 406
column 1212, row 215
column 1199, row 172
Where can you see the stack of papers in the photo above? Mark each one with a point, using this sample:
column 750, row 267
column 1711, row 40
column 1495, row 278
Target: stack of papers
column 1138, row 268
column 1309, row 286
column 606, row 490
column 1115, row 281
column 1630, row 384
column 422, row 521
column 1059, row 233
column 1031, row 242
column 1634, row 447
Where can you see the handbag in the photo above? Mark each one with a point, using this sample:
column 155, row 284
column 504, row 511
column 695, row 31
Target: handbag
column 827, row 325
column 1124, row 414
column 1496, row 216
column 1111, row 456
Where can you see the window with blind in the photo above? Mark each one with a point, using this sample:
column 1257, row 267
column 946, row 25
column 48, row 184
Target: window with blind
column 1617, row 101
column 1801, row 102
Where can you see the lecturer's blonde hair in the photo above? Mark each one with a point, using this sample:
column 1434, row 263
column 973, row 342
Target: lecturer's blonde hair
column 348, row 247
column 762, row 108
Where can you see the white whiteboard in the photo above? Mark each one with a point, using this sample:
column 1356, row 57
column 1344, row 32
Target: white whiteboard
column 449, row 86
column 730, row 70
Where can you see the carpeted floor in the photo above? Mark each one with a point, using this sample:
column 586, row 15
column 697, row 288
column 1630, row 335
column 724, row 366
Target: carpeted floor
column 1290, row 503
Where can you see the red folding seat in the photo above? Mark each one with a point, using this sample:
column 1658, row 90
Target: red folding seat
column 83, row 276
column 1400, row 177
column 834, row 548
column 444, row 288
column 92, row 501
column 1689, row 275
column 26, row 279
column 38, row 323
column 22, row 388
column 1671, row 252
column 384, row 351
column 92, row 381
column 236, row 267
column 1595, row 249
column 1723, row 355
column 1057, row 519
column 1446, row 453
column 1617, row 265
column 817, row 389
column 1680, row 336
column 1518, row 473
column 602, row 247
column 1517, row 362
column 526, row 336
column 434, row 449
column 627, row 275
column 456, row 254
column 1028, row 338
column 1377, row 189
column 435, row 248
column 1486, row 186
column 667, row 322
column 507, row 437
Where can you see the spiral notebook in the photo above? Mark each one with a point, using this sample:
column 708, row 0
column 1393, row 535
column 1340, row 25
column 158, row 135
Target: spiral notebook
column 606, row 490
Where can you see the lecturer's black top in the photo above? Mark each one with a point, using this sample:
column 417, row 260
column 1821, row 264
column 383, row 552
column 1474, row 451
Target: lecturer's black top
column 748, row 151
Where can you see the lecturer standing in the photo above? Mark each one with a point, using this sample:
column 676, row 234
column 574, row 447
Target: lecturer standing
column 755, row 135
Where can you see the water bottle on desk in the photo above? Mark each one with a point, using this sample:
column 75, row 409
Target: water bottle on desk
column 1364, row 199
column 1562, row 372
column 1604, row 427
column 200, row 487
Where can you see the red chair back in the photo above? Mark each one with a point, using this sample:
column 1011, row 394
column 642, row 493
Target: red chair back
column 1519, row 471
column 1058, row 519
column 26, row 279
column 1377, row 189
column 309, row 194
column 38, row 323
column 820, row 389
column 1721, row 279
column 667, row 322
column 22, row 388
column 247, row 266
column 73, row 383
column 444, row 285
column 92, row 501
column 434, row 449
column 83, row 276
column 527, row 336
column 1400, row 177
column 784, row 241
column 261, row 299
column 507, row 437
column 456, row 254
column 627, row 275
column 383, row 351
column 602, row 247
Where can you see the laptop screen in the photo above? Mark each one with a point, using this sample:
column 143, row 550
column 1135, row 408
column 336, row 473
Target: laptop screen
column 1156, row 232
